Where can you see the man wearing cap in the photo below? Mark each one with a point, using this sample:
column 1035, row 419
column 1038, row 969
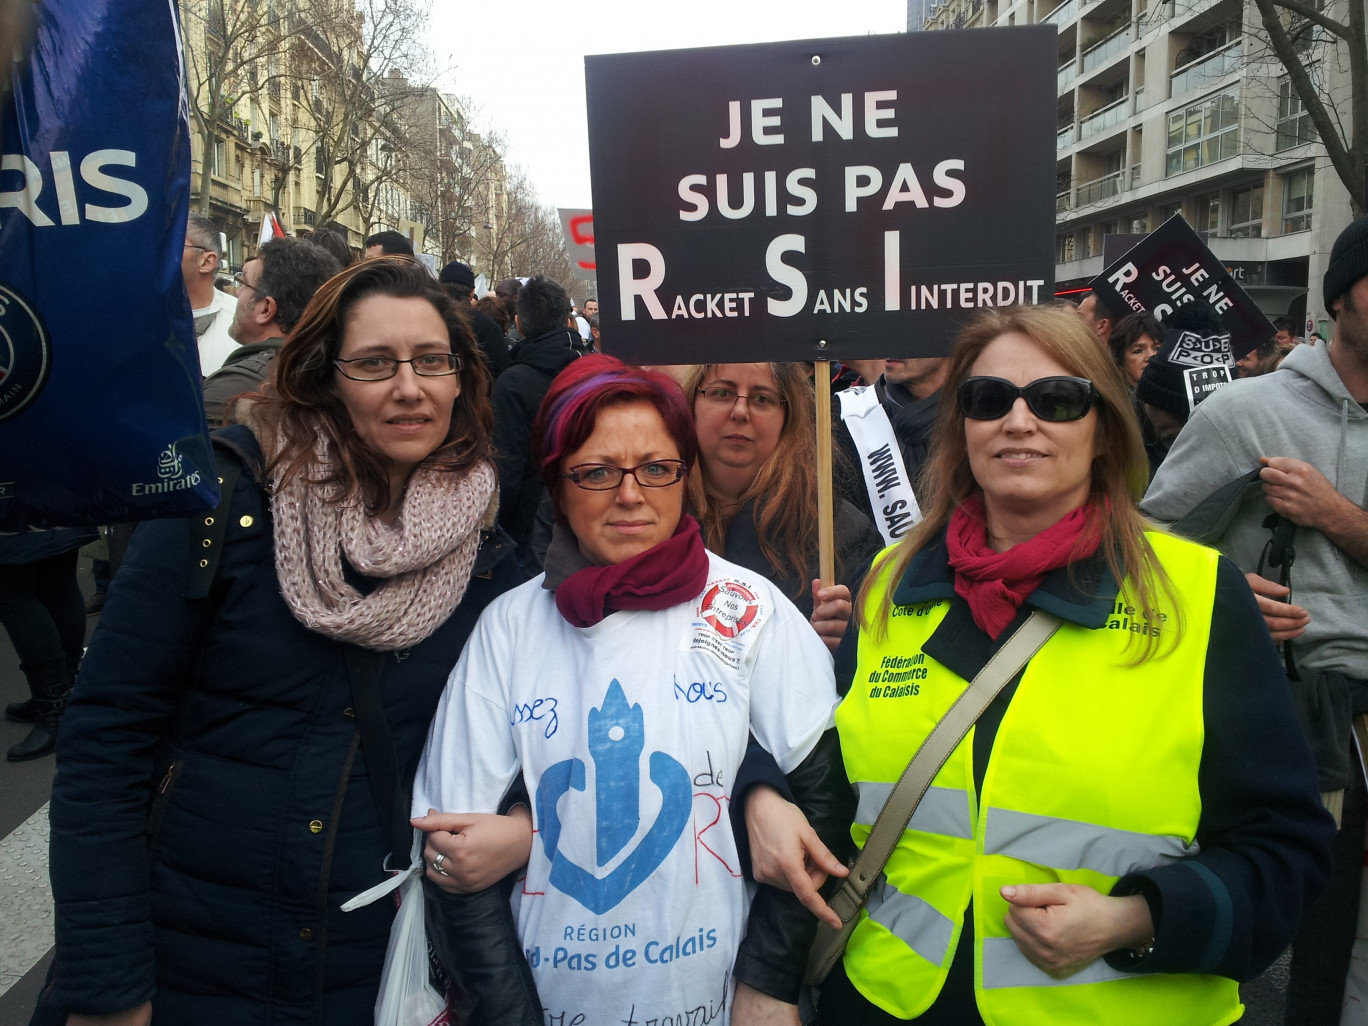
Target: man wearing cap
column 1305, row 429
column 459, row 281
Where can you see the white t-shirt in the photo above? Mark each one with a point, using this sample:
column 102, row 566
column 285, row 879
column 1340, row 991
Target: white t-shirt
column 216, row 345
column 628, row 735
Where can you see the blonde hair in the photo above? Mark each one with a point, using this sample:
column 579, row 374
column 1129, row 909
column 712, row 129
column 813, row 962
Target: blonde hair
column 785, row 489
column 1120, row 470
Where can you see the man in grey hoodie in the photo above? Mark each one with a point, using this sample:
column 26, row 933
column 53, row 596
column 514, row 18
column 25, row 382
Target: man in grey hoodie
column 1305, row 429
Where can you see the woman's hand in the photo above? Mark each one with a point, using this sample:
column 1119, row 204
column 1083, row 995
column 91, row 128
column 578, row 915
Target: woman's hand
column 1284, row 620
column 1061, row 928
column 751, row 1008
column 787, row 853
column 479, row 848
column 830, row 612
column 140, row 1016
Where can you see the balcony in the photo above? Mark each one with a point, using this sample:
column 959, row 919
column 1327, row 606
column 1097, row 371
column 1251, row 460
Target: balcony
column 1114, row 45
column 1113, row 114
column 1104, row 188
column 1186, row 8
column 1206, row 70
column 304, row 216
column 1065, row 138
column 1067, row 74
column 1063, row 202
column 1063, row 14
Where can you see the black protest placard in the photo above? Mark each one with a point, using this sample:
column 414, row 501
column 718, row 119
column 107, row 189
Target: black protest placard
column 1172, row 267
column 753, row 202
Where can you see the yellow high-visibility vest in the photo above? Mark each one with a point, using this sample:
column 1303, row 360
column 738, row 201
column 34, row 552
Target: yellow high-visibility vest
column 1093, row 775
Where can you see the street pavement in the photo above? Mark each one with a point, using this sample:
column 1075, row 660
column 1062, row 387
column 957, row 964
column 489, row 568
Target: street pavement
column 25, row 900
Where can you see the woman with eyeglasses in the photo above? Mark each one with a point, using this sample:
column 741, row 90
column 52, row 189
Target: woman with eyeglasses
column 619, row 689
column 756, row 491
column 1132, row 825
column 236, row 758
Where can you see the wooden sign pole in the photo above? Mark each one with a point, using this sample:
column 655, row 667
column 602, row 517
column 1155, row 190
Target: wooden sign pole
column 826, row 511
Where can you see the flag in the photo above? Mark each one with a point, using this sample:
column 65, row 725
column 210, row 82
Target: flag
column 270, row 229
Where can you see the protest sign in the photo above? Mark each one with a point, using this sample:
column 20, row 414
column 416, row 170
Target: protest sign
column 754, row 202
column 1172, row 267
column 578, row 226
column 1201, row 382
column 101, row 415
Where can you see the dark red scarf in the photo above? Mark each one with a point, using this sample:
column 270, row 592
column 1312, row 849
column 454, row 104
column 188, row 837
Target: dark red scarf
column 670, row 573
column 995, row 584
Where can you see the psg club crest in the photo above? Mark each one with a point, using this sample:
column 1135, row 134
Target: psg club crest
column 25, row 352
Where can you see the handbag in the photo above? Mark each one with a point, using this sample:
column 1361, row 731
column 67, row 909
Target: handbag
column 852, row 892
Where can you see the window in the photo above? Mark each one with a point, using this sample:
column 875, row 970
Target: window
column 1297, row 200
column 1294, row 123
column 1138, row 224
column 1064, row 248
column 1246, row 212
column 1204, row 133
column 1168, row 210
column 1209, row 213
column 220, row 162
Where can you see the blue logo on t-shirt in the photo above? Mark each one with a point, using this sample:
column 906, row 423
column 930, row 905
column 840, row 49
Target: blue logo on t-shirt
column 617, row 736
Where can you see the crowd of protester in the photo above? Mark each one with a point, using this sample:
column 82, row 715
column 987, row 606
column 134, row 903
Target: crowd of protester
column 567, row 613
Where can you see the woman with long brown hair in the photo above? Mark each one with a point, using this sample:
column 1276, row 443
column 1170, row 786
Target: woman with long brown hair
column 237, row 753
column 756, row 491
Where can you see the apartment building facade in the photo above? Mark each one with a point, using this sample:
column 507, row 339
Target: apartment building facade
column 270, row 145
column 1180, row 106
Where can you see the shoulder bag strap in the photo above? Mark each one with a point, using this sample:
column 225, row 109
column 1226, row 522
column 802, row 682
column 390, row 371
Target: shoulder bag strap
column 382, row 766
column 931, row 755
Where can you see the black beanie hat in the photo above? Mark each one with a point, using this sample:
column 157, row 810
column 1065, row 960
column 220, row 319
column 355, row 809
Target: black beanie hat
column 1161, row 383
column 1348, row 262
column 457, row 273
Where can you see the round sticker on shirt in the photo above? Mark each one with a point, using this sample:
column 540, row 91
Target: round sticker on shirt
column 729, row 608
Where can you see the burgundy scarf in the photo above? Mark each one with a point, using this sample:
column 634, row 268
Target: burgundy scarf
column 995, row 584
column 664, row 576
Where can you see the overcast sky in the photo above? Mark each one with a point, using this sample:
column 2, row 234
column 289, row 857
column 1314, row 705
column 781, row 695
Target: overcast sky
column 531, row 86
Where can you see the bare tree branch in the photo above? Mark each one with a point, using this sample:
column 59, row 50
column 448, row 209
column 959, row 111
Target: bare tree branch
column 1345, row 148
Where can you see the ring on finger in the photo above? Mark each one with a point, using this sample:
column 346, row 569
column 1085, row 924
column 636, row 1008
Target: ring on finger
column 437, row 864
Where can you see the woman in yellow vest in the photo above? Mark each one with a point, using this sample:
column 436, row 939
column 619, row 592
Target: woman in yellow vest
column 1132, row 825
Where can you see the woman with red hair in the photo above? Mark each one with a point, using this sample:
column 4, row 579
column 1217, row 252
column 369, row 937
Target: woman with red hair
column 620, row 689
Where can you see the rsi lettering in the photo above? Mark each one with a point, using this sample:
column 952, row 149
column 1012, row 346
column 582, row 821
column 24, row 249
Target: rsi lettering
column 29, row 197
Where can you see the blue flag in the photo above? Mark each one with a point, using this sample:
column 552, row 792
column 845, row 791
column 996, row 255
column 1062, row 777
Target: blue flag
column 101, row 414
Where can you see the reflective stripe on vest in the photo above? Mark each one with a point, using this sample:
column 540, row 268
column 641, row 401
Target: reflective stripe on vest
column 1005, row 966
column 1093, row 774
column 911, row 920
column 1069, row 844
column 942, row 810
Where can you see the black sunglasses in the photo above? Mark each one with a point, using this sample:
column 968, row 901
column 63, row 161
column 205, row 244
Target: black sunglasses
column 1055, row 398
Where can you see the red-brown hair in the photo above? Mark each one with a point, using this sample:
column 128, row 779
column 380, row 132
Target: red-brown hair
column 582, row 391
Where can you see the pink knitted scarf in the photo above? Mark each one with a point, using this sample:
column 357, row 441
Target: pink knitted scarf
column 424, row 559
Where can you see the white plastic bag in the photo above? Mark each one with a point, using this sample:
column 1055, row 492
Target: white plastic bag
column 407, row 996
